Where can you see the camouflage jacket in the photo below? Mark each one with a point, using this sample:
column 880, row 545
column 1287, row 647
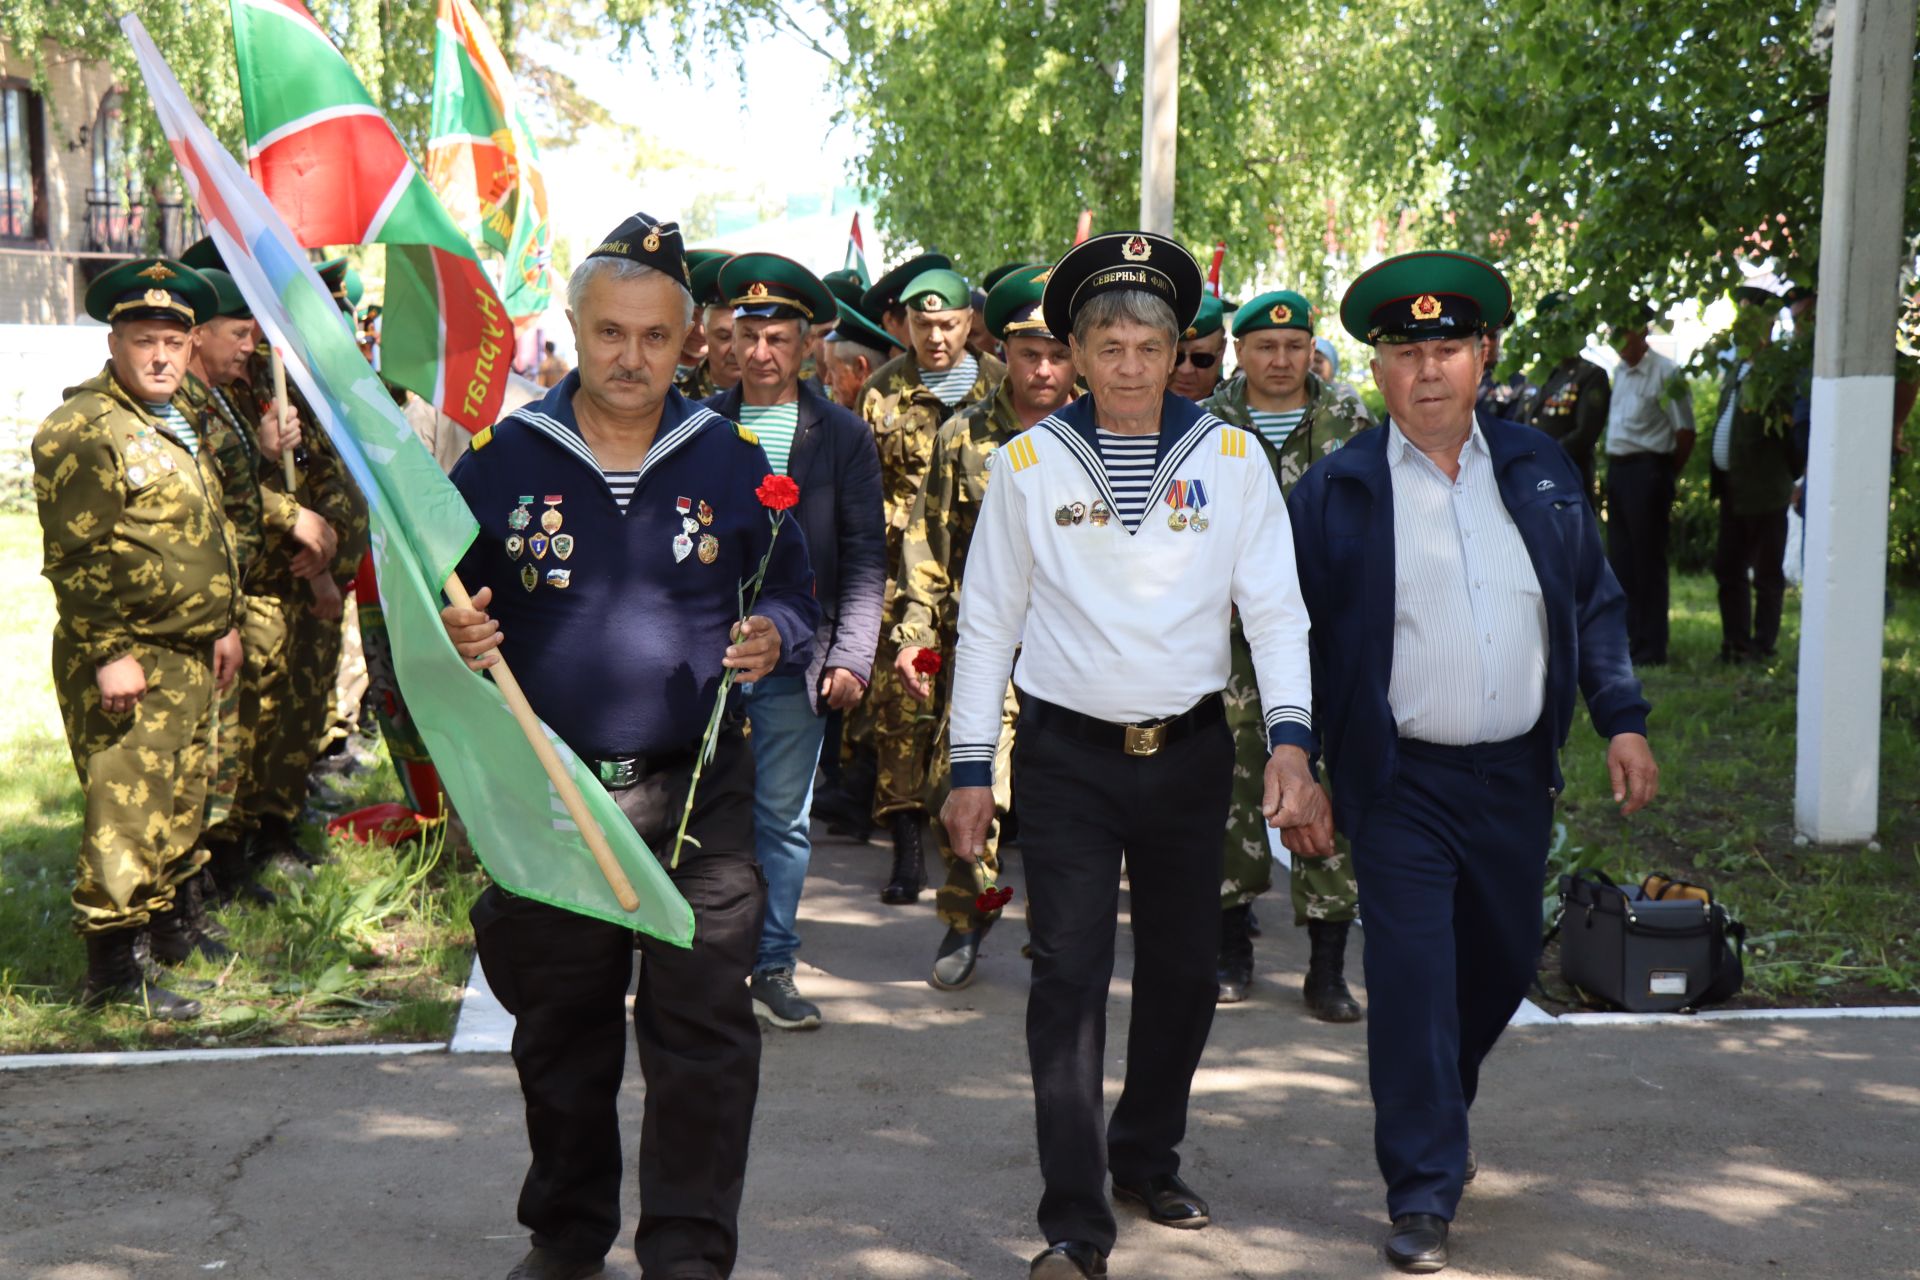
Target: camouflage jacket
column 1331, row 421
column 324, row 485
column 697, row 382
column 137, row 543
column 940, row 523
column 905, row 416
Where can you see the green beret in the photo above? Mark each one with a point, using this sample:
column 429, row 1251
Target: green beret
column 855, row 327
column 1275, row 309
column 775, row 288
column 1013, row 305
column 937, row 290
column 1420, row 296
column 228, row 302
column 886, row 292
column 1123, row 260
column 151, row 289
column 1211, row 318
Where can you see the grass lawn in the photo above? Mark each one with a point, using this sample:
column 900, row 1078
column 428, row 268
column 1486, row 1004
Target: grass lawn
column 375, row 947
column 1827, row 925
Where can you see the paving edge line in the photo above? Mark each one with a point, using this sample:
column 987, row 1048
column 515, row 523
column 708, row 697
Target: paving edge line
column 150, row 1057
column 1532, row 1015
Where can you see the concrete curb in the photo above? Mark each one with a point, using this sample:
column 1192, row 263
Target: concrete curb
column 150, row 1057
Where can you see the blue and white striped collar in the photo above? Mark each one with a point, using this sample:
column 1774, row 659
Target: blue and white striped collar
column 1183, row 425
column 552, row 416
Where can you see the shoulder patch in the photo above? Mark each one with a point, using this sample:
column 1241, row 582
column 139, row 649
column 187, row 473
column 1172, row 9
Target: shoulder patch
column 1233, row 442
column 1020, row 452
column 481, row 439
column 745, row 434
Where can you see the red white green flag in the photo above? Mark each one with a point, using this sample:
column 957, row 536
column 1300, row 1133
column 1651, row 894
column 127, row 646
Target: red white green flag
column 857, row 254
column 336, row 171
column 482, row 158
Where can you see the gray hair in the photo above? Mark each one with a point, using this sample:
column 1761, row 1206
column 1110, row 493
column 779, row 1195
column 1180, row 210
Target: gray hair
column 848, row 349
column 1124, row 306
column 617, row 269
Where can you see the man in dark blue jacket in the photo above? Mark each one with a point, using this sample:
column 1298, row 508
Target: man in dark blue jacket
column 617, row 521
column 830, row 454
column 1459, row 595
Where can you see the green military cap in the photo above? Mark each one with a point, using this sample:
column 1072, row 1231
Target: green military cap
column 151, row 289
column 886, row 292
column 333, row 273
column 937, row 290
column 844, row 285
column 229, row 304
column 1117, row 261
column 203, row 253
column 1209, row 320
column 1428, row 294
column 1013, row 305
column 703, row 278
column 854, row 327
column 775, row 288
column 1275, row 309
column 1001, row 272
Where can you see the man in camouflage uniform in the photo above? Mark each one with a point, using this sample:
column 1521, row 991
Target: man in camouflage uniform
column 295, row 697
column 144, row 575
column 718, row 370
column 1298, row 420
column 905, row 402
column 1203, row 352
column 1039, row 379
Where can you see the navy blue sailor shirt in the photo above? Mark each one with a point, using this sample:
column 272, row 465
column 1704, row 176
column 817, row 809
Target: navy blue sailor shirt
column 616, row 620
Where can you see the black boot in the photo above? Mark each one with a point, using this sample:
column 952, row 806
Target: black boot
column 114, row 977
column 1326, row 987
column 909, row 875
column 953, row 964
column 274, row 839
column 233, row 877
column 1235, row 972
column 178, row 935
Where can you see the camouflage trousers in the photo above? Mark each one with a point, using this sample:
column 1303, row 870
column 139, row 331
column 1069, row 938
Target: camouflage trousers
column 236, row 741
column 143, row 780
column 295, row 701
column 903, row 733
column 953, row 901
column 1323, row 888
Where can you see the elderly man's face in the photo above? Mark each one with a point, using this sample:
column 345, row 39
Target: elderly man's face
column 1275, row 361
column 770, row 352
column 939, row 337
column 629, row 333
column 224, row 344
column 1127, row 367
column 846, row 377
column 722, row 366
column 1430, row 387
column 1198, row 370
column 150, row 356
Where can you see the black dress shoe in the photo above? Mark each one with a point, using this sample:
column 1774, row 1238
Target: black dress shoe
column 953, row 964
column 1417, row 1243
column 1473, row 1167
column 1068, row 1260
column 1168, row 1200
column 545, row 1264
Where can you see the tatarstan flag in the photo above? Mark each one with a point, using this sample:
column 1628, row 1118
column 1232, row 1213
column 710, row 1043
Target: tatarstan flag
column 482, row 159
column 334, row 168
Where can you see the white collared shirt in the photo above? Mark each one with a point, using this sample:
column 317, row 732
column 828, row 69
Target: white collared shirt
column 1469, row 622
column 1640, row 417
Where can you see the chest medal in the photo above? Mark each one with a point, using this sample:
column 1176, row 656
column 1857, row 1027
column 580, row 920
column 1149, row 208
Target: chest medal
column 550, row 518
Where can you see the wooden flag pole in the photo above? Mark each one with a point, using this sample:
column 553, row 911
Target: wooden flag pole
column 280, row 407
column 550, row 761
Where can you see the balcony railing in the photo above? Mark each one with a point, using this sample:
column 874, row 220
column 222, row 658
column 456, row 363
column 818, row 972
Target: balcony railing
column 115, row 226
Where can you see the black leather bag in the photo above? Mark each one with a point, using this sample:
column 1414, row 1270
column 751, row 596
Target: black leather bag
column 1663, row 946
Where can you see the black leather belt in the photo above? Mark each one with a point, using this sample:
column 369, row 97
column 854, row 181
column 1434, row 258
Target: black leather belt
column 1143, row 739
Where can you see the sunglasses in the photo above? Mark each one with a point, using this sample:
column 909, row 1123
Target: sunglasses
column 1199, row 359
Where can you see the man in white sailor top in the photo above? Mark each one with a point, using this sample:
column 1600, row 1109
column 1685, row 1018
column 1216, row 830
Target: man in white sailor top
column 617, row 520
column 1116, row 538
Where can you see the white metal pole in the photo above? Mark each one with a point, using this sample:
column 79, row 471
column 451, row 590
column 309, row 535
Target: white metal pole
column 1160, row 116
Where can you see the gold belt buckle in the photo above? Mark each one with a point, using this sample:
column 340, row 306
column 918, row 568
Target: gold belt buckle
column 1145, row 739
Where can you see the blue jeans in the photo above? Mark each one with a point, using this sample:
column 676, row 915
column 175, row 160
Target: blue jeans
column 786, row 749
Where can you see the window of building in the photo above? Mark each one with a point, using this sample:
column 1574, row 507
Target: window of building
column 115, row 214
column 22, row 166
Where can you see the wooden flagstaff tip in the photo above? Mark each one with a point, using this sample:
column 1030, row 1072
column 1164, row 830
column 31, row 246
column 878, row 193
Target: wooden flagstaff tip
column 280, row 407
column 570, row 796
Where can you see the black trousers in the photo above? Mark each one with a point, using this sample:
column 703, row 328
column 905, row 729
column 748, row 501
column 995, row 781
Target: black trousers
column 1081, row 809
column 564, row 977
column 1449, row 863
column 1750, row 616
column 1639, row 507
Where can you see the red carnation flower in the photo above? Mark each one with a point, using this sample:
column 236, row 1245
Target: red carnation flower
column 989, row 901
column 927, row 662
column 778, row 493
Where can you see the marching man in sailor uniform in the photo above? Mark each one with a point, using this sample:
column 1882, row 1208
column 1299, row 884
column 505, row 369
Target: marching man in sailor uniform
column 1115, row 540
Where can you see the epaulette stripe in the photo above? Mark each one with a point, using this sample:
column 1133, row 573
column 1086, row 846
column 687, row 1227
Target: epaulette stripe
column 482, row 438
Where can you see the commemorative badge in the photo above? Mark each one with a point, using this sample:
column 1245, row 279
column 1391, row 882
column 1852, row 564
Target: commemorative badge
column 538, row 545
column 550, row 518
column 522, row 515
column 682, row 548
column 706, row 512
column 562, row 545
column 529, row 576
column 561, row 578
column 515, row 545
column 1099, row 514
column 709, row 548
